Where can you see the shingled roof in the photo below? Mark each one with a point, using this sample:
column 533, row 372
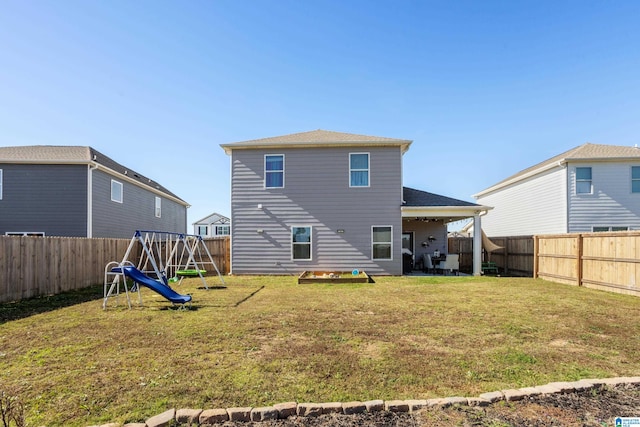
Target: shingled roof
column 316, row 138
column 585, row 152
column 59, row 154
column 413, row 197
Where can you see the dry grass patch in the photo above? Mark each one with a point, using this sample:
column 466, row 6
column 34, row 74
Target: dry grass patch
column 264, row 340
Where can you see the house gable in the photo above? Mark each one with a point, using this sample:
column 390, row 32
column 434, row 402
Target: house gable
column 85, row 204
column 542, row 199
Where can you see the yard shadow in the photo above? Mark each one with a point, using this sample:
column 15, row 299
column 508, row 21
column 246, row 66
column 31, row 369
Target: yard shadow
column 18, row 310
column 249, row 296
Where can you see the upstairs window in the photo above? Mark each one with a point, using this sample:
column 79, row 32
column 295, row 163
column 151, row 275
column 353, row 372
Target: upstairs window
column 116, row 191
column 158, row 207
column 358, row 169
column 274, row 171
column 0, row 184
column 584, row 184
column 381, row 242
column 612, row 228
column 301, row 243
column 635, row 180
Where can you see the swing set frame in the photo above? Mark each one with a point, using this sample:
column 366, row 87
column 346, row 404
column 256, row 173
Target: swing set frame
column 162, row 256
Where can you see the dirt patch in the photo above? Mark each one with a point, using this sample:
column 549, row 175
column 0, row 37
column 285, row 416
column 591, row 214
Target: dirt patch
column 591, row 408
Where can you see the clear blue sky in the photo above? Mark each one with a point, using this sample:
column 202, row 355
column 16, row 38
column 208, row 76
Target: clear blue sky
column 483, row 88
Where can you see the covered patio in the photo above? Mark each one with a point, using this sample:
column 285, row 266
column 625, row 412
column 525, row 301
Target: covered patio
column 425, row 217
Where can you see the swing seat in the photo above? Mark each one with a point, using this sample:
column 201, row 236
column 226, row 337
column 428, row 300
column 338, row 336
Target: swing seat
column 190, row 273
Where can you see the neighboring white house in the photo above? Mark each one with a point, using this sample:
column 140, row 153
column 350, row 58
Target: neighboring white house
column 214, row 225
column 592, row 187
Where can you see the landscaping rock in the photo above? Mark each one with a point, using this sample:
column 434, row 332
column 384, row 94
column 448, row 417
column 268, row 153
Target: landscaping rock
column 350, row 408
column 477, row 401
column 416, row 405
column 239, row 414
column 213, row 416
column 396, row 406
column 263, row 414
column 492, row 396
column 374, row 405
column 513, row 395
column 309, row 409
column 188, row 416
column 286, row 409
column 164, row 419
column 332, row 408
column 454, row 400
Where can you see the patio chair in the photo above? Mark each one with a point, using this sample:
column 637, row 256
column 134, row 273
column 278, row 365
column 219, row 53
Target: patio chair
column 450, row 264
column 427, row 264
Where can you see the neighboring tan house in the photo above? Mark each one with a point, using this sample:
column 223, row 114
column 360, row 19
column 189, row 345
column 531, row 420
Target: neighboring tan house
column 214, row 225
column 79, row 192
column 589, row 188
column 331, row 201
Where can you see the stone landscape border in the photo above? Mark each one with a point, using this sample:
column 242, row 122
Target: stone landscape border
column 207, row 417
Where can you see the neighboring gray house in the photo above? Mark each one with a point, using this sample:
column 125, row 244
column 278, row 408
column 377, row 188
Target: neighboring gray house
column 79, row 192
column 589, row 188
column 214, row 225
column 330, row 201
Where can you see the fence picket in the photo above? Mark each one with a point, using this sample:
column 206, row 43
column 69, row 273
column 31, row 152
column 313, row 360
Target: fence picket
column 37, row 266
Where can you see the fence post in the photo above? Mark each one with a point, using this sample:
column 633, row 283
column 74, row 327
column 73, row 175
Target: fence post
column 579, row 251
column 536, row 248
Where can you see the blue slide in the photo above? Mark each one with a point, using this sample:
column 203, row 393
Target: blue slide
column 156, row 286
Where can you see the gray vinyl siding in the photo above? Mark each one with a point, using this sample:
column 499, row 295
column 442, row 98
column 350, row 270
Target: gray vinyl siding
column 537, row 205
column 316, row 193
column 44, row 198
column 611, row 204
column 136, row 212
column 421, row 231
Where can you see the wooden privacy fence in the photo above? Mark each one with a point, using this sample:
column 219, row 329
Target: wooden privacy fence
column 514, row 259
column 37, row 266
column 607, row 261
column 220, row 250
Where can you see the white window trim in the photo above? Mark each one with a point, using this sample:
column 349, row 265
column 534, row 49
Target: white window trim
column 584, row 180
column 215, row 228
column 265, row 169
column 608, row 227
column 206, row 228
column 631, row 180
column 1, row 184
column 158, row 208
column 310, row 227
column 374, row 243
column 25, row 233
column 113, row 181
column 368, row 170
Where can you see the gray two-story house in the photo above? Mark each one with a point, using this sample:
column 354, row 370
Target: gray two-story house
column 331, row 201
column 79, row 192
column 592, row 187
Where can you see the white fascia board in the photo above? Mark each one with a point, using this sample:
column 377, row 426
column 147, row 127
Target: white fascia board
column 558, row 164
column 228, row 148
column 443, row 211
column 140, row 184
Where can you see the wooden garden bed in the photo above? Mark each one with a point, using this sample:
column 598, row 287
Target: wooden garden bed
column 334, row 277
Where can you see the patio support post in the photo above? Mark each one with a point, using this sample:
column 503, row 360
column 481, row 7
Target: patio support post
column 477, row 245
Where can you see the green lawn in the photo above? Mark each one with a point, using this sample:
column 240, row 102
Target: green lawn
column 264, row 340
